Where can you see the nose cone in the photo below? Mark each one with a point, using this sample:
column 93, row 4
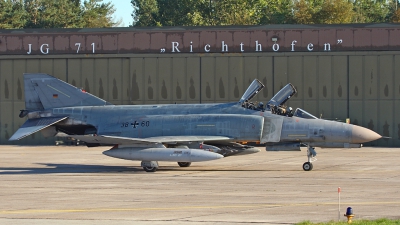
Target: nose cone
column 361, row 135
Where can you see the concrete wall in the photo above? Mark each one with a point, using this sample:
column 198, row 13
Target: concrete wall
column 364, row 86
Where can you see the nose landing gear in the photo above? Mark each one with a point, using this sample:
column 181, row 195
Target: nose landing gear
column 311, row 153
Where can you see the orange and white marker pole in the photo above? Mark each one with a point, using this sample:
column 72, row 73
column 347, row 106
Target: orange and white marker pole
column 338, row 190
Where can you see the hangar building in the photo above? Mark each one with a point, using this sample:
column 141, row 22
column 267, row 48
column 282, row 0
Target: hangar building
column 340, row 71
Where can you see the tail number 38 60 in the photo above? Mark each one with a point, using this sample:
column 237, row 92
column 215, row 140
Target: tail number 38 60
column 135, row 124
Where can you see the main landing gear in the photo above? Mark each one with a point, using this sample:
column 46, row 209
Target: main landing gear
column 184, row 164
column 311, row 153
column 149, row 166
column 152, row 166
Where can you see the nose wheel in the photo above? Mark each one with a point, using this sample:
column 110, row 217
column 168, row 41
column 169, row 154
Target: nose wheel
column 311, row 153
column 307, row 166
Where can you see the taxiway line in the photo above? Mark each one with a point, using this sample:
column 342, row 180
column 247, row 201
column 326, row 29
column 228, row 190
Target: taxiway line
column 29, row 211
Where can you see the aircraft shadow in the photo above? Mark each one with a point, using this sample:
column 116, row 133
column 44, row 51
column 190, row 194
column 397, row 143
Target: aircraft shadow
column 67, row 168
column 81, row 169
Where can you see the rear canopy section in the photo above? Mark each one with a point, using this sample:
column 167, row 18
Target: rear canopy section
column 282, row 96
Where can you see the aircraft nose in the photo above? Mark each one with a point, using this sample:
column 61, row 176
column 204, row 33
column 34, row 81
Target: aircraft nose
column 362, row 134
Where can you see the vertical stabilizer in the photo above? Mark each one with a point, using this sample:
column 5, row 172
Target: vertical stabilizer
column 32, row 100
column 43, row 91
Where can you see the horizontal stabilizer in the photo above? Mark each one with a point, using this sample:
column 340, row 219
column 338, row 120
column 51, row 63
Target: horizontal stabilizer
column 34, row 125
column 112, row 140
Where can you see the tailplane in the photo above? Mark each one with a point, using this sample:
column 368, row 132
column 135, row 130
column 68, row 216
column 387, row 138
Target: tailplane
column 43, row 92
column 34, row 125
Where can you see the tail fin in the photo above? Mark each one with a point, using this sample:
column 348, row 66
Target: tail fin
column 43, row 91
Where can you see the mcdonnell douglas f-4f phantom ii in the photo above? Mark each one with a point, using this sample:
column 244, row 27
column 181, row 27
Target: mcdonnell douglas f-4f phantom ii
column 182, row 133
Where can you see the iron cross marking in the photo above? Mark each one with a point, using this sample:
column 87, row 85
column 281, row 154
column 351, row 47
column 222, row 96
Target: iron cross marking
column 135, row 124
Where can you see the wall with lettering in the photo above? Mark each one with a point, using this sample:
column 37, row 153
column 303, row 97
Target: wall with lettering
column 284, row 38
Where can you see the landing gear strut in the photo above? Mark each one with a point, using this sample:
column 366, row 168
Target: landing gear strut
column 311, row 153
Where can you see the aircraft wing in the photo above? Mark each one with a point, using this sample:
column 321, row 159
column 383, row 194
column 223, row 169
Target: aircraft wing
column 115, row 140
column 34, row 125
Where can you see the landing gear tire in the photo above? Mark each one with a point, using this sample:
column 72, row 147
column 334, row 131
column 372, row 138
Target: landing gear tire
column 184, row 164
column 307, row 166
column 149, row 166
column 150, row 169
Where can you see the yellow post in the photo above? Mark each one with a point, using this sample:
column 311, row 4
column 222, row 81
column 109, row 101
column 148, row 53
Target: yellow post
column 349, row 218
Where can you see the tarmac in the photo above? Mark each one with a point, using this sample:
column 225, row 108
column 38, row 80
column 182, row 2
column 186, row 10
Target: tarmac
column 79, row 185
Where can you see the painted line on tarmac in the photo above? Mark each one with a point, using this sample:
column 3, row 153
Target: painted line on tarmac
column 32, row 211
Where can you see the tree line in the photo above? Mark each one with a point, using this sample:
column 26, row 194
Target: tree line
column 260, row 12
column 17, row 14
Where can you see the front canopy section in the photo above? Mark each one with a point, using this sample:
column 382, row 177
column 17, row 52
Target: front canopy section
column 255, row 87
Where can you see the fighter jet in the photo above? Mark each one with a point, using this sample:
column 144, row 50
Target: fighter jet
column 182, row 133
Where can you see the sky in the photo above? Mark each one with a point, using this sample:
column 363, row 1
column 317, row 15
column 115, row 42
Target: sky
column 123, row 11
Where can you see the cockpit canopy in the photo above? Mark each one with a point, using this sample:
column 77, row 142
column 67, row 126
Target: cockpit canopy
column 276, row 104
column 255, row 87
column 282, row 96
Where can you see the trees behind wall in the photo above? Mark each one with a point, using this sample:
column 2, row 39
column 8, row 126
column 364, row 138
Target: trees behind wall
column 260, row 12
column 16, row 14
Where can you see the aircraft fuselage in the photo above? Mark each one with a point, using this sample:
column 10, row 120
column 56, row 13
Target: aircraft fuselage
column 226, row 119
